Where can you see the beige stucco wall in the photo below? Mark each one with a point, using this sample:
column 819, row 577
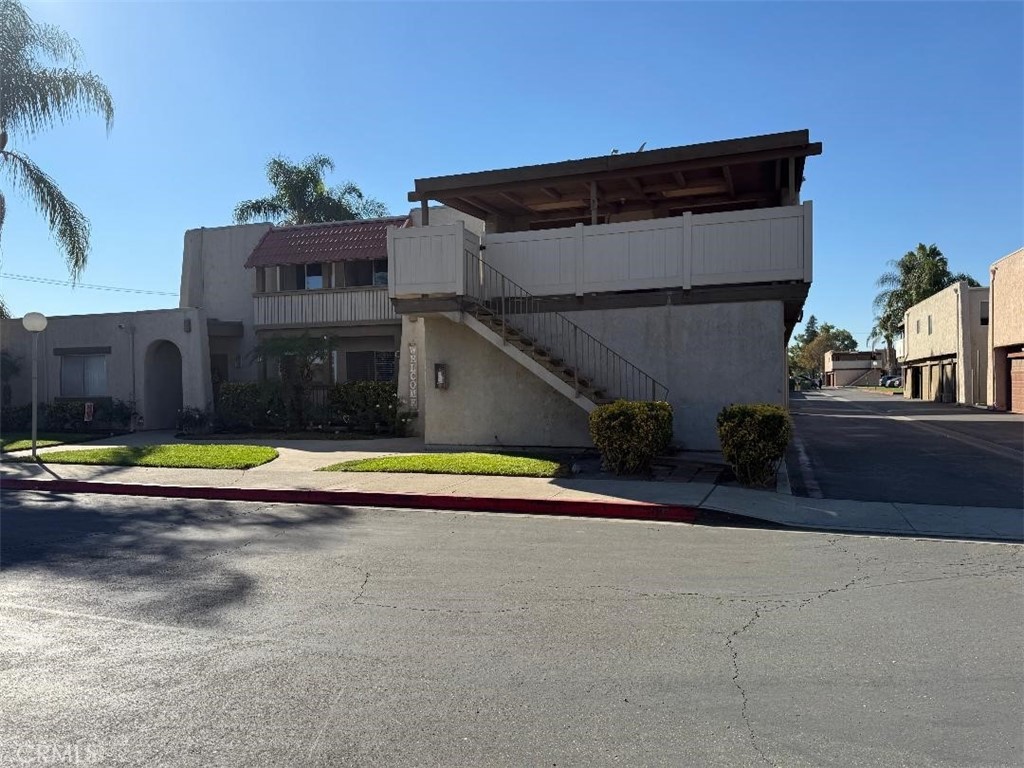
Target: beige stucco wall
column 1006, row 326
column 1007, row 308
column 491, row 399
column 957, row 331
column 213, row 277
column 183, row 327
column 708, row 355
column 943, row 310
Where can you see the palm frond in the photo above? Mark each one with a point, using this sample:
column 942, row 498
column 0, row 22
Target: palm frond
column 67, row 223
column 19, row 32
column 261, row 209
column 952, row 278
column 43, row 98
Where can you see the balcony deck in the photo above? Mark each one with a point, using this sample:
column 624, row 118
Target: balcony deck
column 764, row 245
column 331, row 306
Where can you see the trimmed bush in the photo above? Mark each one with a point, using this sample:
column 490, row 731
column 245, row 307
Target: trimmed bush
column 193, row 421
column 16, row 418
column 754, row 439
column 249, row 405
column 629, row 434
column 357, row 406
column 69, row 415
column 367, row 406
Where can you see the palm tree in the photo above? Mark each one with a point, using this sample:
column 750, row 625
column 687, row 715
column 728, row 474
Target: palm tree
column 40, row 87
column 920, row 273
column 302, row 197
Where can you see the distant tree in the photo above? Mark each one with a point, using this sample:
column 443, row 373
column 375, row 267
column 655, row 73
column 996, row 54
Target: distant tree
column 40, row 87
column 810, row 332
column 810, row 357
column 914, row 277
column 301, row 196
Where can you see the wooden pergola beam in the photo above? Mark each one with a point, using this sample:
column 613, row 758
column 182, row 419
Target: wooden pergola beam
column 440, row 193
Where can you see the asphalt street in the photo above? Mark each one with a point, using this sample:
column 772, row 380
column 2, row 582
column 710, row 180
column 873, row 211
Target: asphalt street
column 181, row 633
column 868, row 447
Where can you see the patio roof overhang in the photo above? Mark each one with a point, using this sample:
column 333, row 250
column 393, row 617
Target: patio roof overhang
column 757, row 171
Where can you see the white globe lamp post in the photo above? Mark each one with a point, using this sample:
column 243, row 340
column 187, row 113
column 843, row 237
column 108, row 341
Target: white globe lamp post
column 35, row 323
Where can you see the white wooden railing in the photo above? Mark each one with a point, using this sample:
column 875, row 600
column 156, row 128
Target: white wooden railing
column 753, row 246
column 329, row 306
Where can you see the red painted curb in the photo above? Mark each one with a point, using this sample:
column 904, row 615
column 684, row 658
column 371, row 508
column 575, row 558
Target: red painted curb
column 609, row 509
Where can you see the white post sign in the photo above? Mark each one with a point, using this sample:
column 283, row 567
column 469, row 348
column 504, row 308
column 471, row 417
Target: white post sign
column 413, row 378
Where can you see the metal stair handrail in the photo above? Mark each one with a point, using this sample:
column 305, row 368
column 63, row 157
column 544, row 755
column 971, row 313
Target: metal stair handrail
column 595, row 366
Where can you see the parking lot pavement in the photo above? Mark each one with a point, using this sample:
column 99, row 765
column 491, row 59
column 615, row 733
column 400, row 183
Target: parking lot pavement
column 863, row 446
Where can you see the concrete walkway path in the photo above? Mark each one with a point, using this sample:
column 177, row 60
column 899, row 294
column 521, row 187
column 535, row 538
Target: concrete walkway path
column 876, row 517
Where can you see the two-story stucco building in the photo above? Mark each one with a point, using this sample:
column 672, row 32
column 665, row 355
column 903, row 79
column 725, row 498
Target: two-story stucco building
column 945, row 346
column 238, row 284
column 528, row 297
column 671, row 274
column 848, row 369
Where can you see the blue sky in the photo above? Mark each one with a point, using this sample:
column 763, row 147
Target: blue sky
column 920, row 107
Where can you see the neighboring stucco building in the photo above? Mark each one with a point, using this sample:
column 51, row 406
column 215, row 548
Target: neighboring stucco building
column 671, row 274
column 945, row 346
column 1006, row 333
column 849, row 369
column 239, row 284
column 159, row 359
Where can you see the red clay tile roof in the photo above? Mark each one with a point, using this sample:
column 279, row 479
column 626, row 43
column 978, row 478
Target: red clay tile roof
column 316, row 243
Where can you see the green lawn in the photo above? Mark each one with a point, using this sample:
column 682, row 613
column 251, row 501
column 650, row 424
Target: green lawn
column 183, row 456
column 456, row 464
column 20, row 441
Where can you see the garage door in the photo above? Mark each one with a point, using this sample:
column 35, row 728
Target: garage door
column 1016, row 401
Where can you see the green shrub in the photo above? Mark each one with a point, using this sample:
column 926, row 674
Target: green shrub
column 115, row 414
column 249, row 405
column 754, row 439
column 629, row 434
column 65, row 416
column 193, row 421
column 16, row 418
column 367, row 406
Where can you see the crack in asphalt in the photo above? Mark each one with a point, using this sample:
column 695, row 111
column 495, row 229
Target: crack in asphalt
column 734, row 655
column 762, row 609
column 358, row 600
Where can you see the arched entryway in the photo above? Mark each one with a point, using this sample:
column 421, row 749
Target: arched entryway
column 163, row 385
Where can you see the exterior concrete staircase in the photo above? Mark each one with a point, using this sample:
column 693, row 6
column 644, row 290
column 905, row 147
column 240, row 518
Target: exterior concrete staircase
column 547, row 343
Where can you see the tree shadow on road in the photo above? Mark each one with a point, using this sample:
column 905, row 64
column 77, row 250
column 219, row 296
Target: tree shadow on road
column 182, row 561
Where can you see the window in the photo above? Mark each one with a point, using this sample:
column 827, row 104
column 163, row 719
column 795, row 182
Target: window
column 83, row 375
column 314, row 277
column 984, row 313
column 370, row 366
column 929, row 325
column 917, row 326
column 366, row 272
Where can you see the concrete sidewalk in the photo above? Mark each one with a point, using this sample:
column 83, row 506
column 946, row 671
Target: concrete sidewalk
column 549, row 494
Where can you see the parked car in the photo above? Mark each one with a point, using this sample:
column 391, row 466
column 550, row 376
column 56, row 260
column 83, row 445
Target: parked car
column 894, row 382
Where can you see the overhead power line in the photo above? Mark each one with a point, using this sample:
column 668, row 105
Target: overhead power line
column 52, row 281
